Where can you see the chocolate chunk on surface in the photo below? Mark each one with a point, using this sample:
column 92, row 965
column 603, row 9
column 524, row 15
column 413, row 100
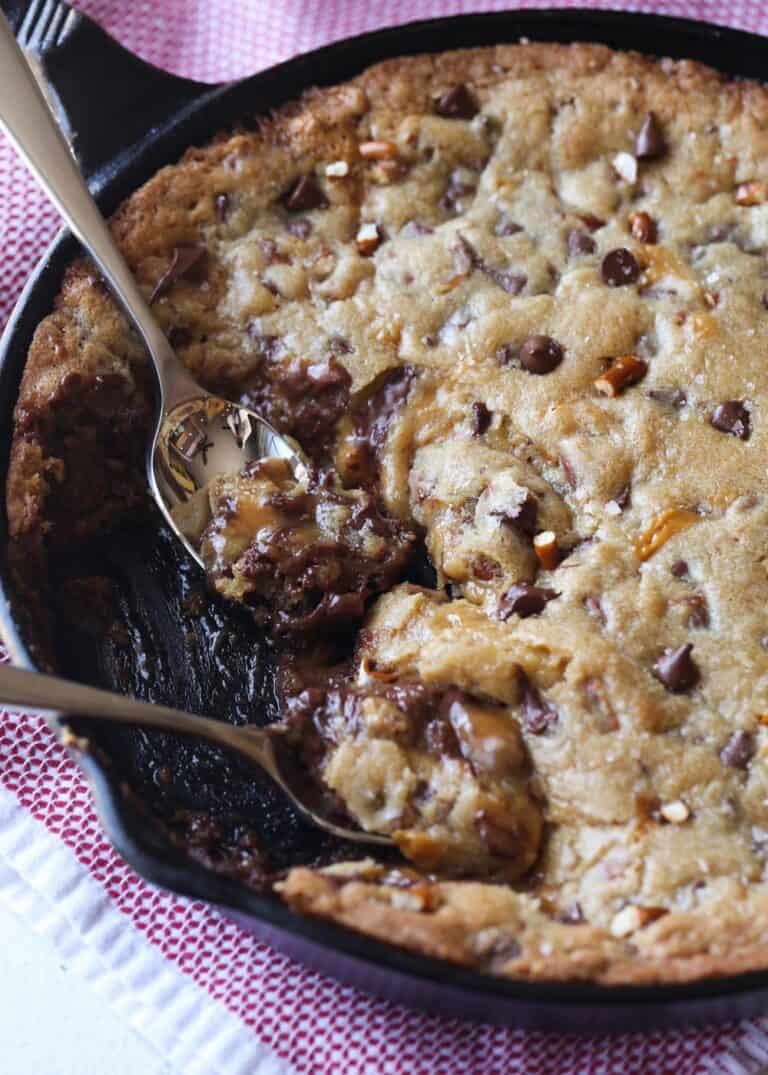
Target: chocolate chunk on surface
column 732, row 417
column 619, row 267
column 579, row 242
column 738, row 751
column 456, row 103
column 650, row 143
column 521, row 515
column 481, row 418
column 183, row 260
column 298, row 396
column 525, row 600
column 506, row 226
column 305, row 194
column 677, row 669
column 539, row 714
column 465, row 256
column 508, row 280
column 540, row 354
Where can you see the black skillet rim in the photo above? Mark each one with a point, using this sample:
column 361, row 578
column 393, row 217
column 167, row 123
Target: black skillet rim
column 211, row 109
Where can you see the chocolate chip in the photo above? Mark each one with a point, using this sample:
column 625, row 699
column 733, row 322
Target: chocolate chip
column 580, row 243
column 539, row 715
column 619, row 267
column 738, row 751
column 524, row 600
column 300, row 228
column 511, row 282
column 521, row 516
column 540, row 354
column 456, row 103
column 184, row 258
column 676, row 669
column 679, row 569
column 222, row 207
column 591, row 221
column 481, row 418
column 732, row 417
column 304, row 194
column 650, row 142
column 505, row 225
column 465, row 257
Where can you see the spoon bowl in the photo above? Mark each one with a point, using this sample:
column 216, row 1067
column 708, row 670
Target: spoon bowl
column 266, row 747
column 198, row 440
column 198, row 436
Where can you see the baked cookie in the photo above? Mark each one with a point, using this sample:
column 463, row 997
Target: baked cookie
column 515, row 300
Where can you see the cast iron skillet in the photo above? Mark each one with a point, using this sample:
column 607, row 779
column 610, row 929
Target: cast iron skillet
column 127, row 119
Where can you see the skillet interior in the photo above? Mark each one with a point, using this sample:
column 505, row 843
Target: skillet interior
column 214, row 662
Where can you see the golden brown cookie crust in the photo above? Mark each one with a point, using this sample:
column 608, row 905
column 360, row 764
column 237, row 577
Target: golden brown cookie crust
column 655, row 853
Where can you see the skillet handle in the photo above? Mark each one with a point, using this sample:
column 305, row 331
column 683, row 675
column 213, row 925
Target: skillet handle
column 106, row 100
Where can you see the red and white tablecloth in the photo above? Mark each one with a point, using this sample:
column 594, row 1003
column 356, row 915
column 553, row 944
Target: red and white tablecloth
column 203, row 992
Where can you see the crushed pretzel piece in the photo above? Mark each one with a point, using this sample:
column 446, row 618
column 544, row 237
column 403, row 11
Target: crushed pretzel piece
column 368, row 239
column 675, row 812
column 623, row 372
column 377, row 151
column 753, row 193
column 546, row 549
column 337, row 169
column 632, row 918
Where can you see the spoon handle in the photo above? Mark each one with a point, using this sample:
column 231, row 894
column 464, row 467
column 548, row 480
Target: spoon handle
column 30, row 124
column 34, row 690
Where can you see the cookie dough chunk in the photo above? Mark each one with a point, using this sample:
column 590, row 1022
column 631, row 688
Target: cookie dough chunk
column 302, row 556
column 446, row 773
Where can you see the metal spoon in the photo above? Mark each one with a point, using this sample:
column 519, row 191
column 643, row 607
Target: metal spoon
column 19, row 687
column 197, row 436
